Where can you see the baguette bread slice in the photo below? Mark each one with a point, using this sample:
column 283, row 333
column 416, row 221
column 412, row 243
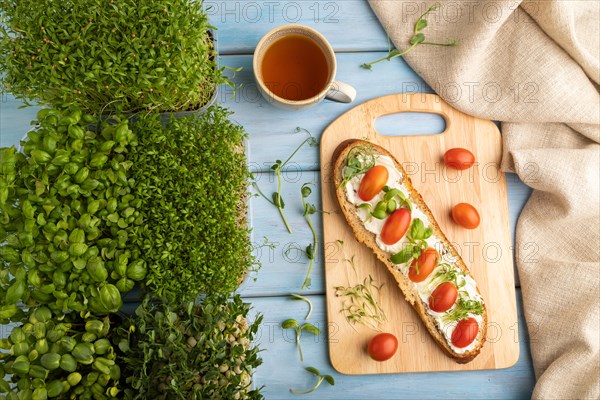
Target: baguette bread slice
column 368, row 238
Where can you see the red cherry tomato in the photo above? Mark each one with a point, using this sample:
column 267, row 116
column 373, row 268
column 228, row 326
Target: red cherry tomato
column 459, row 158
column 426, row 263
column 382, row 346
column 395, row 226
column 443, row 297
column 465, row 332
column 466, row 215
column 372, row 183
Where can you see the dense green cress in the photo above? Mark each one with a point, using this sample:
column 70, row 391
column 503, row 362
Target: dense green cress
column 191, row 178
column 103, row 56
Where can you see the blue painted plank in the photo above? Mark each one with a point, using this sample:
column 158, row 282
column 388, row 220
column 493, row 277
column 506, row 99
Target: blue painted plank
column 6, row 329
column 241, row 24
column 282, row 369
column 518, row 194
column 283, row 271
column 14, row 121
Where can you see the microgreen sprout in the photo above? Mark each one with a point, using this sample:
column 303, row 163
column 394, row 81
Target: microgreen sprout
column 276, row 199
column 320, row 380
column 194, row 235
column 293, row 324
column 360, row 305
column 311, row 249
column 256, row 249
column 68, row 199
column 417, row 39
column 170, row 351
column 305, row 299
column 447, row 273
column 352, row 263
column 417, row 237
column 392, row 200
column 141, row 56
column 360, row 159
column 266, row 243
column 463, row 308
column 55, row 351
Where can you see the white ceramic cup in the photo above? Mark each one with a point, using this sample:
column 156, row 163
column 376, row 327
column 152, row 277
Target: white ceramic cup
column 333, row 90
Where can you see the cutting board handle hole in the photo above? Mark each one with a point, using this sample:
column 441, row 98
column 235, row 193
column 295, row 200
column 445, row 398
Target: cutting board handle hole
column 410, row 124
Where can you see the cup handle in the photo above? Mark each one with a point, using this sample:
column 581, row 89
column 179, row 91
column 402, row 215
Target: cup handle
column 341, row 92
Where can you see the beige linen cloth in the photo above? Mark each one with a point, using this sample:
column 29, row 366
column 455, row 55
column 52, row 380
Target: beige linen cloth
column 535, row 67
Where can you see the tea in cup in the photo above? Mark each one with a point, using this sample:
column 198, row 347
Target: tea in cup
column 295, row 67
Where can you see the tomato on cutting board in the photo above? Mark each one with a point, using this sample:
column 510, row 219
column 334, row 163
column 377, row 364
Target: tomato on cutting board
column 373, row 182
column 466, row 215
column 459, row 158
column 465, row 332
column 382, row 346
column 443, row 297
column 422, row 266
column 395, row 226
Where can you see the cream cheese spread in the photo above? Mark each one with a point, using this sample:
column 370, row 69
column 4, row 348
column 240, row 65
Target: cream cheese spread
column 467, row 285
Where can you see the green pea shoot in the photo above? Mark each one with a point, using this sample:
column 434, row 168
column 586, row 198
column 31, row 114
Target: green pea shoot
column 293, row 324
column 417, row 39
column 320, row 378
column 276, row 198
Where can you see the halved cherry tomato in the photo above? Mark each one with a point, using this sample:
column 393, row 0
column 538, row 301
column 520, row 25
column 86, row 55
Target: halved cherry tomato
column 443, row 297
column 373, row 182
column 465, row 332
column 459, row 158
column 466, row 215
column 395, row 226
column 382, row 346
column 424, row 264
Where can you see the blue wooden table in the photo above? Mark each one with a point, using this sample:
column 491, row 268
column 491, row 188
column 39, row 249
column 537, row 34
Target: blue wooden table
column 357, row 37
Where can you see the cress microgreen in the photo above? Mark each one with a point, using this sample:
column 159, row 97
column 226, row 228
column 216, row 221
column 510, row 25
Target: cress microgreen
column 276, row 198
column 293, row 324
column 352, row 262
column 305, row 299
column 447, row 273
column 312, row 248
column 266, row 243
column 320, row 378
column 360, row 159
column 118, row 56
column 191, row 178
column 190, row 351
column 417, row 237
column 463, row 308
column 359, row 304
column 417, row 39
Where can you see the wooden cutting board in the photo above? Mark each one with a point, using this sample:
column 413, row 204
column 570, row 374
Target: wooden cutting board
column 487, row 250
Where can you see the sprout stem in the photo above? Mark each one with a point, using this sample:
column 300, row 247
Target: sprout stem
column 298, row 331
column 310, row 306
column 279, row 207
column 311, row 389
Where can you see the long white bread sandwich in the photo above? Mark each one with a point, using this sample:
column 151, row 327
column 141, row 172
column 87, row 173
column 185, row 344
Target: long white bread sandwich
column 387, row 214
